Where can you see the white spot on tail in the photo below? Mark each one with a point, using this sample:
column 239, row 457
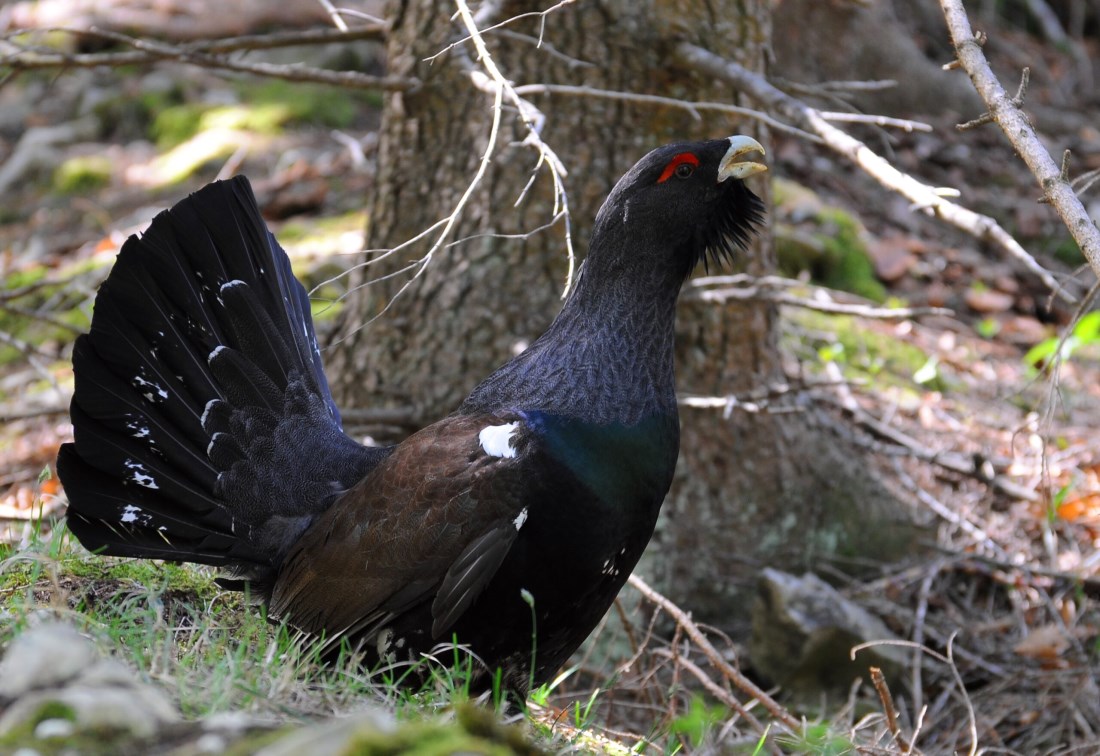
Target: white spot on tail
column 231, row 284
column 496, row 440
column 140, row 429
column 520, row 518
column 130, row 513
column 210, row 357
column 139, row 475
column 157, row 390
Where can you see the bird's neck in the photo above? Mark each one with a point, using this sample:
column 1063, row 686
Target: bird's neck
column 608, row 356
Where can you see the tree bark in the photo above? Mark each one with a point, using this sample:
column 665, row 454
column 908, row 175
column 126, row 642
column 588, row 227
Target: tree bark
column 750, row 490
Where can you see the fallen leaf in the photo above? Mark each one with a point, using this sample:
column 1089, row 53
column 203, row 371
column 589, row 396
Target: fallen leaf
column 1046, row 643
column 986, row 300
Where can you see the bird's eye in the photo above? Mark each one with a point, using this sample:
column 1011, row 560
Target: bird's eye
column 681, row 166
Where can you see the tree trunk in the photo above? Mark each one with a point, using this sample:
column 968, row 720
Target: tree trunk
column 747, row 487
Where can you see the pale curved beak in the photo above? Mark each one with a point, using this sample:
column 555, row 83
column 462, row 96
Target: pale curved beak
column 732, row 167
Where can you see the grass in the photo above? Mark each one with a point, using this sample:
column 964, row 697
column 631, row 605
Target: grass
column 213, row 652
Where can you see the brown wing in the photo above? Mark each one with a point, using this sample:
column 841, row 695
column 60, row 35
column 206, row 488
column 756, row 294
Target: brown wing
column 433, row 521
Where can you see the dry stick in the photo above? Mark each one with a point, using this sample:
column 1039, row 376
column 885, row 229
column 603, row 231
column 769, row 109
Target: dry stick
column 876, row 120
column 52, row 59
column 1016, row 126
column 727, row 670
column 762, row 288
column 953, row 461
column 949, row 660
column 887, row 700
column 918, row 634
column 717, row 691
column 337, row 19
column 693, row 108
column 208, row 55
column 802, row 115
column 532, row 119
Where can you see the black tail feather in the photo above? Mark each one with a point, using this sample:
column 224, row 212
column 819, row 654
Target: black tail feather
column 205, row 429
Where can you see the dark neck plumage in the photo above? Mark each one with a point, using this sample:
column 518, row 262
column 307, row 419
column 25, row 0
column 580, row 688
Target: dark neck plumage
column 608, row 356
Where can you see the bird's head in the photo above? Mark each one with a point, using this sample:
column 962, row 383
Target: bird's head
column 689, row 198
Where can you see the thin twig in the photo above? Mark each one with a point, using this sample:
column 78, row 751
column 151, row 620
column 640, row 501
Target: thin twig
column 716, row 690
column 949, row 660
column 876, row 120
column 883, row 690
column 743, row 286
column 971, row 466
column 728, row 671
column 519, row 16
column 209, row 55
column 693, row 107
column 337, row 19
column 532, row 119
column 1006, row 112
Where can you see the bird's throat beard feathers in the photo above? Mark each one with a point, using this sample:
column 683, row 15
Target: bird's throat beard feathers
column 737, row 216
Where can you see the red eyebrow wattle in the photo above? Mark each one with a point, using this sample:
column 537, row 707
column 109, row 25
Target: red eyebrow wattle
column 683, row 157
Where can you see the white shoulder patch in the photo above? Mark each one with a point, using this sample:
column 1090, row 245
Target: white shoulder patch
column 496, row 440
column 520, row 518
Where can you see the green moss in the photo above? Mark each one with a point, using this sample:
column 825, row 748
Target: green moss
column 165, row 575
column 54, row 710
column 475, row 730
column 828, row 244
column 847, row 266
column 17, row 279
column 866, row 352
column 93, row 741
column 82, row 174
column 175, row 124
column 311, row 103
column 179, row 123
column 309, row 232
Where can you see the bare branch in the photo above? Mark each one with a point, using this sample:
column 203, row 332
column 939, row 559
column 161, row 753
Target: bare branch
column 926, row 197
column 647, row 99
column 209, row 54
column 822, row 299
column 716, row 690
column 728, row 670
column 532, row 119
column 875, row 120
column 883, row 690
column 337, row 19
column 491, row 9
column 1010, row 118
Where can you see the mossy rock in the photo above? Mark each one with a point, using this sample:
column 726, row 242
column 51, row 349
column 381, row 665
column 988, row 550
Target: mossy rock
column 827, row 242
column 82, row 174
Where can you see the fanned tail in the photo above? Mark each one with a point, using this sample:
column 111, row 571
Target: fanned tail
column 204, row 426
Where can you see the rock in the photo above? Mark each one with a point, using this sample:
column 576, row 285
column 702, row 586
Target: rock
column 803, row 631
column 53, row 728
column 332, row 737
column 135, row 710
column 57, row 685
column 48, row 655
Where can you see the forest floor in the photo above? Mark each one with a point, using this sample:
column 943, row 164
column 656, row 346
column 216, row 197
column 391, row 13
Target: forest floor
column 996, row 439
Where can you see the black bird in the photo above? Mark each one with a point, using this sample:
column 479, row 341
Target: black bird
column 205, row 431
